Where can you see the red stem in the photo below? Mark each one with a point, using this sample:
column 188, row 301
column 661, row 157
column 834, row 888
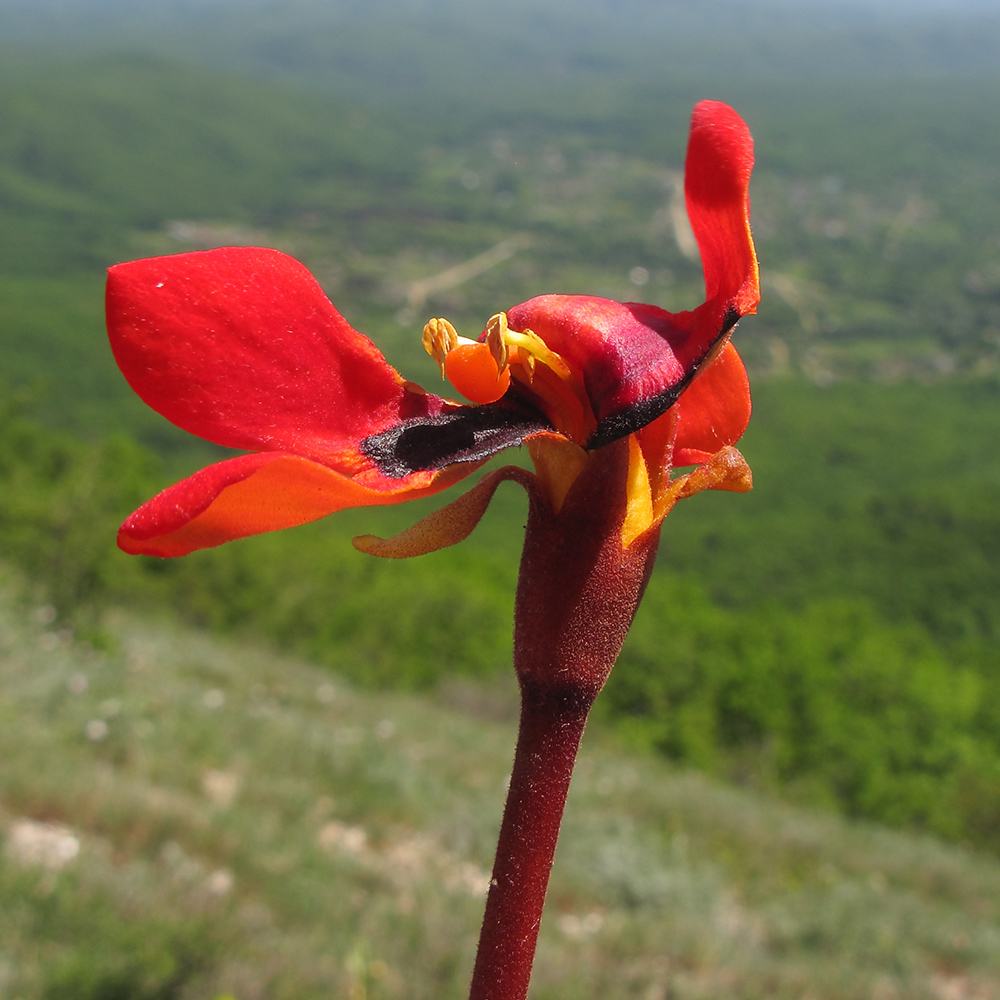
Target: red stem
column 576, row 596
column 552, row 723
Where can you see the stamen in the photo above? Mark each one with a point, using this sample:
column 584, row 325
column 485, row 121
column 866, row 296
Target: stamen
column 481, row 371
column 439, row 338
column 546, row 374
column 468, row 364
column 496, row 339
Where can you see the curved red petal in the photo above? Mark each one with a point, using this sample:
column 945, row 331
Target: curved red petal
column 716, row 188
column 242, row 347
column 714, row 410
column 635, row 359
column 622, row 359
column 253, row 494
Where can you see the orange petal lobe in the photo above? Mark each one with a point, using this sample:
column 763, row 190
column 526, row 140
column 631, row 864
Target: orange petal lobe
column 714, row 410
column 253, row 494
column 447, row 526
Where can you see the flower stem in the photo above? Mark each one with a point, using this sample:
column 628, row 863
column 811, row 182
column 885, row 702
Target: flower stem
column 552, row 724
column 577, row 593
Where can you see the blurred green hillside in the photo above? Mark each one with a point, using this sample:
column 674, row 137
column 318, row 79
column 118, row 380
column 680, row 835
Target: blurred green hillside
column 831, row 635
column 876, row 211
column 95, row 149
column 184, row 818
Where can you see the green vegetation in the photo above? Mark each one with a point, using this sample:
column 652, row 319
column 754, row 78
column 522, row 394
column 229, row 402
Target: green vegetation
column 830, row 636
column 843, row 685
column 883, row 265
column 224, row 822
column 94, row 148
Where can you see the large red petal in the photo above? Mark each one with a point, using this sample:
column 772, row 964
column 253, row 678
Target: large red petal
column 714, row 410
column 252, row 494
column 242, row 347
column 716, row 188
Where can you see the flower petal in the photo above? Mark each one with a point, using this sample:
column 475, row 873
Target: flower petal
column 626, row 364
column 726, row 470
column 639, row 509
column 714, row 409
column 450, row 525
column 716, row 188
column 242, row 347
column 636, row 360
column 253, row 494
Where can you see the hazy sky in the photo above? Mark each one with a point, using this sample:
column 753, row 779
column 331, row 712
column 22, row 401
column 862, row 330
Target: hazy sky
column 747, row 38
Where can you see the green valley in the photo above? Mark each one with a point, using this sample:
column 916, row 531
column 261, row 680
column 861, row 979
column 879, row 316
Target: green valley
column 856, row 585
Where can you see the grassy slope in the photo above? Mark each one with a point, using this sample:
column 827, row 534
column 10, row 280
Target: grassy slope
column 253, row 826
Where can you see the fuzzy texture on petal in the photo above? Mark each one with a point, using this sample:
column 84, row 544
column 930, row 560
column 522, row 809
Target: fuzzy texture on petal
column 253, row 494
column 241, row 346
column 626, row 364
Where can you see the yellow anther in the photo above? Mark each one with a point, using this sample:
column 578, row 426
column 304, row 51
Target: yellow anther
column 496, row 340
column 535, row 364
column 531, row 348
column 523, row 355
column 439, row 338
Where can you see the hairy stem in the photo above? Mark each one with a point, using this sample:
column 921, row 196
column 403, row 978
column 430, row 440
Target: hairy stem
column 552, row 723
column 577, row 593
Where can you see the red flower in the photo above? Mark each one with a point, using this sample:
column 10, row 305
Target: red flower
column 241, row 347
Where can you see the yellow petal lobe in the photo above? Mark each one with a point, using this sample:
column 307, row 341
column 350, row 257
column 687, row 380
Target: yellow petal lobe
column 639, row 516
